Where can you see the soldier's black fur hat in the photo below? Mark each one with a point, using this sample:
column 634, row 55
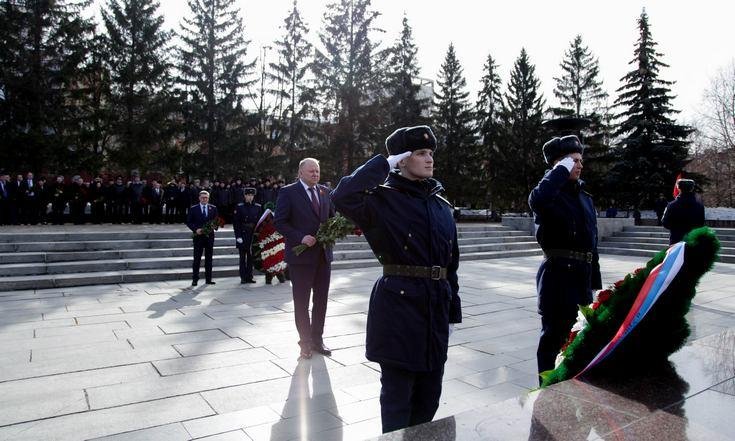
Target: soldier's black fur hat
column 408, row 139
column 249, row 190
column 556, row 147
column 685, row 185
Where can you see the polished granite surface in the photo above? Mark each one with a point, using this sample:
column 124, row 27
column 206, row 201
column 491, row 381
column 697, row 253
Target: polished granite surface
column 690, row 398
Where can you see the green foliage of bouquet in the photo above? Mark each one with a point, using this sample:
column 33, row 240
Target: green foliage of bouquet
column 662, row 331
column 329, row 232
column 210, row 227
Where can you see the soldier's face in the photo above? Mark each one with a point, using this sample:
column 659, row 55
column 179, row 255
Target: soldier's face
column 249, row 198
column 577, row 169
column 420, row 165
column 309, row 173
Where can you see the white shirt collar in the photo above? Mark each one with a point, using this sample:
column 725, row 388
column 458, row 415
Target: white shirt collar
column 306, row 187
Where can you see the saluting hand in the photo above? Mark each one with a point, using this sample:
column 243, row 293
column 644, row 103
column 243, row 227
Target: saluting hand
column 567, row 163
column 393, row 160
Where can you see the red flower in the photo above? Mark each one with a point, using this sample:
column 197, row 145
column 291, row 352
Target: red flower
column 618, row 283
column 570, row 339
column 604, row 296
column 595, row 305
column 357, row 231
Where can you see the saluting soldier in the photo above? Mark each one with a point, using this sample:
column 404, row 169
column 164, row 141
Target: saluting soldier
column 566, row 229
column 414, row 305
column 246, row 216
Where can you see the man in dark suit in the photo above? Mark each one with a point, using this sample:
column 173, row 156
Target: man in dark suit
column 199, row 215
column 247, row 214
column 301, row 207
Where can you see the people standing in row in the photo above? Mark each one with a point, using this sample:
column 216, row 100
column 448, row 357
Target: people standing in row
column 566, row 229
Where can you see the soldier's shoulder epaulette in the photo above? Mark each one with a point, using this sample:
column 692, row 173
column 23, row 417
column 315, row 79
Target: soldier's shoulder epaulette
column 441, row 198
column 241, row 204
column 386, row 187
column 257, row 205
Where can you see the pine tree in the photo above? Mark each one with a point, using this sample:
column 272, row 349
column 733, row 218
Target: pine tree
column 41, row 56
column 488, row 110
column 523, row 164
column 214, row 73
column 404, row 106
column 137, row 47
column 457, row 153
column 579, row 89
column 295, row 95
column 653, row 149
column 347, row 82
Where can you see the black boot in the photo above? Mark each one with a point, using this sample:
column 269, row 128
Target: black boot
column 268, row 279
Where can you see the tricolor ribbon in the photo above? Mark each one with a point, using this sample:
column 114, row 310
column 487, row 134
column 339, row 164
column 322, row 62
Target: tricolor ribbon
column 657, row 282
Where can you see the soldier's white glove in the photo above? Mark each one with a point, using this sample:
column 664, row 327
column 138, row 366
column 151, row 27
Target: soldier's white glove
column 239, row 240
column 451, row 329
column 393, row 160
column 567, row 163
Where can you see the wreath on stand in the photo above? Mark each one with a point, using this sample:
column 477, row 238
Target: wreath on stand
column 268, row 246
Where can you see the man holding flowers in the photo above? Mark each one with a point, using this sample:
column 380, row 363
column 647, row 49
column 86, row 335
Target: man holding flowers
column 202, row 220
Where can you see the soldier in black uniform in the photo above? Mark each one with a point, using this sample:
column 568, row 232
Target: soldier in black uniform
column 414, row 305
column 684, row 213
column 246, row 216
column 566, row 229
column 59, row 196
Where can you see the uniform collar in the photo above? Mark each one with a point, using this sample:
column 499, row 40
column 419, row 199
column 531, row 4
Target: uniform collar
column 424, row 187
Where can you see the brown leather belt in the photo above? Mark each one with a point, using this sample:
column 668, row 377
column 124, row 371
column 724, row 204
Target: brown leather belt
column 583, row 256
column 424, row 272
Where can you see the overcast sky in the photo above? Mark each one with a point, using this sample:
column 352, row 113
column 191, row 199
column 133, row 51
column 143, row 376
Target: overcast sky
column 696, row 37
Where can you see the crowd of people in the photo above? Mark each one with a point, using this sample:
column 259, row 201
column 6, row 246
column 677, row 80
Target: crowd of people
column 31, row 200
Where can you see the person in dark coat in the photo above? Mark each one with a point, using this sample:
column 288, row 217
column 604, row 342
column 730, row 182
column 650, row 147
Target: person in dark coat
column 302, row 207
column 246, row 216
column 199, row 215
column 97, row 196
column 169, row 196
column 566, row 229
column 414, row 305
column 156, row 200
column 659, row 206
column 30, row 200
column 59, row 197
column 182, row 200
column 4, row 198
column 684, row 213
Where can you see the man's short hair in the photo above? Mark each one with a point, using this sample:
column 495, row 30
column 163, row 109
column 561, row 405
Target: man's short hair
column 204, row 192
column 303, row 162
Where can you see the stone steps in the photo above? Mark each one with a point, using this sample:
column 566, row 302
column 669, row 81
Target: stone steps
column 645, row 241
column 39, row 258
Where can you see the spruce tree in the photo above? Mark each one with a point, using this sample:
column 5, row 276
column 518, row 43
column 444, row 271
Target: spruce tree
column 457, row 162
column 213, row 72
column 488, row 110
column 523, row 135
column 579, row 89
column 41, row 57
column 137, row 57
column 404, row 106
column 295, row 95
column 348, row 84
column 580, row 94
column 653, row 148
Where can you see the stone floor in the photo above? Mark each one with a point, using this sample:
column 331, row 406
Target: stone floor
column 164, row 361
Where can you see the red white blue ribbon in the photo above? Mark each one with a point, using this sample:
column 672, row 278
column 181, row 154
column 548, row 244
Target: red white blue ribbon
column 657, row 282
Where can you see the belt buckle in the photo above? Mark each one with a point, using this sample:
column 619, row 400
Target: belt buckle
column 589, row 257
column 436, row 272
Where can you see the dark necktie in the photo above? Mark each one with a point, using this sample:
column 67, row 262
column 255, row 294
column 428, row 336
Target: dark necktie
column 314, row 201
column 204, row 210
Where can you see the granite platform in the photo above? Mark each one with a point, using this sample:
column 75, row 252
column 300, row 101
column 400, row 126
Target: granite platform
column 165, row 361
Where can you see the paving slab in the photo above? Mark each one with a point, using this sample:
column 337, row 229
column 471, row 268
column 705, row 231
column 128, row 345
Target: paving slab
column 160, row 360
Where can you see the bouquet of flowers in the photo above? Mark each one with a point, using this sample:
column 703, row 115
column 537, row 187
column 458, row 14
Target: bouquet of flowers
column 639, row 320
column 210, row 227
column 329, row 232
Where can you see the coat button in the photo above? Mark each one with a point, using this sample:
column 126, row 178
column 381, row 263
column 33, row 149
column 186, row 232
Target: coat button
column 405, row 247
column 409, row 234
column 403, row 292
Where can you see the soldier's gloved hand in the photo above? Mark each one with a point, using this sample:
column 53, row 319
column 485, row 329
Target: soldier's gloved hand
column 238, row 240
column 567, row 163
column 393, row 160
column 451, row 329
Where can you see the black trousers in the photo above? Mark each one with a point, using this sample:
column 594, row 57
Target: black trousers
column 246, row 263
column 554, row 333
column 408, row 398
column 203, row 245
column 304, row 280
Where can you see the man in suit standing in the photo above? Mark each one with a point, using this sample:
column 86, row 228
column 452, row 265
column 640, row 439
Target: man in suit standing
column 199, row 215
column 301, row 207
